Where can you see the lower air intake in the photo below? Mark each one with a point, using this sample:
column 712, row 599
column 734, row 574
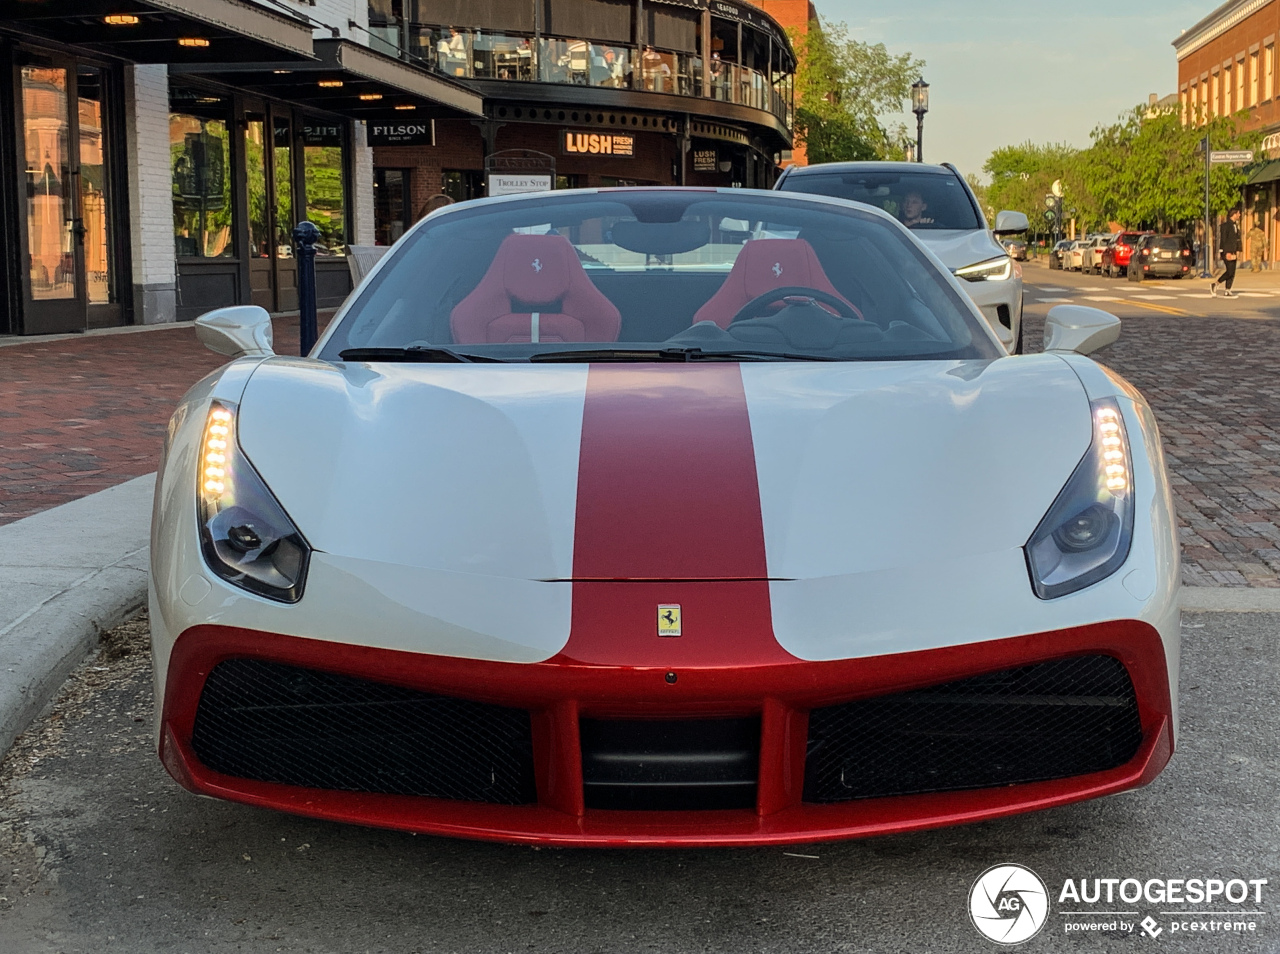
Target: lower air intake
column 1051, row 720
column 275, row 723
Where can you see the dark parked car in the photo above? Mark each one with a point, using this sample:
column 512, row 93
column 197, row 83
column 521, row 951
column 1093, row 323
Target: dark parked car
column 1055, row 254
column 1115, row 258
column 1160, row 256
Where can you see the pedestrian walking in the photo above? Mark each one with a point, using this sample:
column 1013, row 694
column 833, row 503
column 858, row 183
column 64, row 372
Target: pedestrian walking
column 1229, row 248
column 1257, row 246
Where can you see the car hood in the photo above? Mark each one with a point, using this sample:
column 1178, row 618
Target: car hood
column 958, row 249
column 789, row 470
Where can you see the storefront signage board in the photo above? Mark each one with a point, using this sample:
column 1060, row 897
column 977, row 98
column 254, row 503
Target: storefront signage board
column 402, row 134
column 617, row 145
column 506, row 183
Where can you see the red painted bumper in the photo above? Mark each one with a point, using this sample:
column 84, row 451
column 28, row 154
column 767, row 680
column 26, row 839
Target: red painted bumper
column 559, row 690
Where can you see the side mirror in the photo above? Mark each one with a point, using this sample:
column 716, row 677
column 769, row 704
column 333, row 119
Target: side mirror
column 238, row 331
column 1079, row 329
column 1011, row 223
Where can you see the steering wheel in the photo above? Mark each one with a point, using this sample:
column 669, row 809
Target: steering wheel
column 804, row 295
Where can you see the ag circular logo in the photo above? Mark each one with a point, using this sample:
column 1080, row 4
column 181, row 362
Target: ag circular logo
column 1008, row 904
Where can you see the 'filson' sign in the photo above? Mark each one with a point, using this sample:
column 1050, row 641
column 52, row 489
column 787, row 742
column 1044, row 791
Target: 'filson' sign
column 598, row 144
column 402, row 134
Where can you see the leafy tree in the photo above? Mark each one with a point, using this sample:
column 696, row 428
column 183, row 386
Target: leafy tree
column 843, row 87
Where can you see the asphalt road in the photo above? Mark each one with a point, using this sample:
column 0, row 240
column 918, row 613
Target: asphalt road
column 103, row 852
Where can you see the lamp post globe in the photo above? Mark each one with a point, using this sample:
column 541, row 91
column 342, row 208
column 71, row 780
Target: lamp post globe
column 920, row 106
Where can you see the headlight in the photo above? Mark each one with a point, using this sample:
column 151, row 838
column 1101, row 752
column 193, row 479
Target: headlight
column 1086, row 534
column 246, row 536
column 995, row 270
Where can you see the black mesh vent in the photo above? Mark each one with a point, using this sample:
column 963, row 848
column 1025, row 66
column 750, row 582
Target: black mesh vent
column 275, row 723
column 1050, row 720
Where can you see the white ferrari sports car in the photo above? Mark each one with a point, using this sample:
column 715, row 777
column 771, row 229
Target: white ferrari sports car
column 658, row 517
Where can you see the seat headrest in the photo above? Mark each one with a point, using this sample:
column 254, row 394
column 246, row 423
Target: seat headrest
column 536, row 269
column 766, row 264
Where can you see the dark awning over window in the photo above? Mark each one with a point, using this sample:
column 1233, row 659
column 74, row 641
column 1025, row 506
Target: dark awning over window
column 166, row 31
column 1267, row 172
column 352, row 80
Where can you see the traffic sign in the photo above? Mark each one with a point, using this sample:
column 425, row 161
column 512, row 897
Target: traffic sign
column 1232, row 156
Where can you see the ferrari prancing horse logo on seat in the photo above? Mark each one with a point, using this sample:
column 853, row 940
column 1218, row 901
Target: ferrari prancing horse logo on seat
column 668, row 619
column 537, row 264
column 777, row 269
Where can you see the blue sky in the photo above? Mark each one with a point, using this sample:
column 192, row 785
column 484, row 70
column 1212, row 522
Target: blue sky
column 1003, row 73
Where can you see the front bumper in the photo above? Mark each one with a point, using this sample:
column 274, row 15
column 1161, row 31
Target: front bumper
column 561, row 693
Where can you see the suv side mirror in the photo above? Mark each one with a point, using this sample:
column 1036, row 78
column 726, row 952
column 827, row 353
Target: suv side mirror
column 238, row 331
column 1011, row 223
column 1079, row 329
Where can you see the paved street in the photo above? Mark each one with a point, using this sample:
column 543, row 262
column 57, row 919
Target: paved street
column 102, row 852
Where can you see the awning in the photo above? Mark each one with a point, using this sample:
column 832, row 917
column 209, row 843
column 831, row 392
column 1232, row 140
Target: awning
column 166, row 31
column 1267, row 172
column 352, row 80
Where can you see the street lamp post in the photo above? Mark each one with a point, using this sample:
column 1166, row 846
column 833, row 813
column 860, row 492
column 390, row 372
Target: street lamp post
column 920, row 106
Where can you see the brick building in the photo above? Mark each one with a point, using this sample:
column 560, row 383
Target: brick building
column 1227, row 65
column 794, row 16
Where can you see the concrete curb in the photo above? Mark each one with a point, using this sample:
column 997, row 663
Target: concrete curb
column 66, row 575
column 1230, row 599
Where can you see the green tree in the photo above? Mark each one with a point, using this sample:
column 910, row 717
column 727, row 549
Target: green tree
column 1021, row 176
column 843, row 88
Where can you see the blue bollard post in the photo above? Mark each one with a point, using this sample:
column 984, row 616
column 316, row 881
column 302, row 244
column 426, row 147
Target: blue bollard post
column 305, row 237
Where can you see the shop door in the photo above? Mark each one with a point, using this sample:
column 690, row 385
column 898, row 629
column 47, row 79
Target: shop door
column 64, row 200
column 268, row 152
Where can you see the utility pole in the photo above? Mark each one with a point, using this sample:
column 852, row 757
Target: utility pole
column 1207, row 244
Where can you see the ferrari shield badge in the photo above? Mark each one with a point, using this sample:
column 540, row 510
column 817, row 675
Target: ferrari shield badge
column 668, row 619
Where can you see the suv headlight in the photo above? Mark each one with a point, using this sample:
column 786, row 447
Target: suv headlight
column 995, row 270
column 245, row 535
column 1086, row 534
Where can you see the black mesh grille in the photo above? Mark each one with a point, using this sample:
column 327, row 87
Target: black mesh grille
column 1050, row 720
column 275, row 723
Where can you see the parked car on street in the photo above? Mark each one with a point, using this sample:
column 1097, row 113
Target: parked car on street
column 1017, row 248
column 1115, row 257
column 1056, row 254
column 663, row 517
column 942, row 212
column 1161, row 256
column 1073, row 255
column 1091, row 257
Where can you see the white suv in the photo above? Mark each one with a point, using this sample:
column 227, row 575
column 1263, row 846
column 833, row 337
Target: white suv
column 939, row 207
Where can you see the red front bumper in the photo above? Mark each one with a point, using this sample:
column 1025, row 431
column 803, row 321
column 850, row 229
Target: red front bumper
column 558, row 691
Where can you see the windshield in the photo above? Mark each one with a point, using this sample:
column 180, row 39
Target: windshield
column 689, row 273
column 919, row 200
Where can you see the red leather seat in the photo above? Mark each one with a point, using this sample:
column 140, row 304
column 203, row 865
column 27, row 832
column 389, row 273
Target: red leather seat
column 763, row 265
column 535, row 290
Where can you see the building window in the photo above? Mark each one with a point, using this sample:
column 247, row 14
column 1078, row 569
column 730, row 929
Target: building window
column 1240, row 84
column 324, row 160
column 462, row 184
column 1253, row 78
column 200, row 160
column 1213, row 94
column 391, row 213
column 1268, row 72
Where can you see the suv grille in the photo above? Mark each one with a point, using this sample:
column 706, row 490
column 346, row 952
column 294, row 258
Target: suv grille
column 1046, row 721
column 275, row 723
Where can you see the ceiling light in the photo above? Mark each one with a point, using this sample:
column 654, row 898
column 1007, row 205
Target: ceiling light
column 406, row 107
column 120, row 19
column 194, row 41
column 282, row 72
column 330, row 84
column 370, row 97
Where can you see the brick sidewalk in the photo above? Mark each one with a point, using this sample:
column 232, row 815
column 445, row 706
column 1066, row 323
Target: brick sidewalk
column 79, row 415
column 82, row 414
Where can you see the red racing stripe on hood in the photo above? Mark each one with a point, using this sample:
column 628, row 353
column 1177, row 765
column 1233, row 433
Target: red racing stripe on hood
column 668, row 501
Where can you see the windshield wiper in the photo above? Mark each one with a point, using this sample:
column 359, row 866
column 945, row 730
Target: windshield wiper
column 674, row 354
column 413, row 353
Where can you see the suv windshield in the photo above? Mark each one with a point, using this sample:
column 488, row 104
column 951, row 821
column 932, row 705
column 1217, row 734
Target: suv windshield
column 658, row 275
column 919, row 200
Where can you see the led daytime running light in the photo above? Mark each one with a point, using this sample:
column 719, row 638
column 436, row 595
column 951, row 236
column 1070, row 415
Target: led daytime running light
column 994, row 270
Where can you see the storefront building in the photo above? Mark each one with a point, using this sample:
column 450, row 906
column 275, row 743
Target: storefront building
column 1226, row 65
column 606, row 92
column 156, row 154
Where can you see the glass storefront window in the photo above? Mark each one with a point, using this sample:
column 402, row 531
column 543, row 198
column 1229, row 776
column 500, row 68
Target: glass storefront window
column 255, row 168
column 200, row 158
column 323, row 156
column 584, row 64
column 50, row 202
column 94, row 212
column 283, row 166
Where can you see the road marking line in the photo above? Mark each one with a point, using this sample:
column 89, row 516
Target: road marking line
column 1053, row 301
column 1254, row 294
column 1092, row 288
column 1047, row 288
column 1165, row 309
column 1102, row 298
column 1154, row 297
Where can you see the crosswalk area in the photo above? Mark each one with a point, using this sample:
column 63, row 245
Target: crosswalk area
column 1054, row 295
